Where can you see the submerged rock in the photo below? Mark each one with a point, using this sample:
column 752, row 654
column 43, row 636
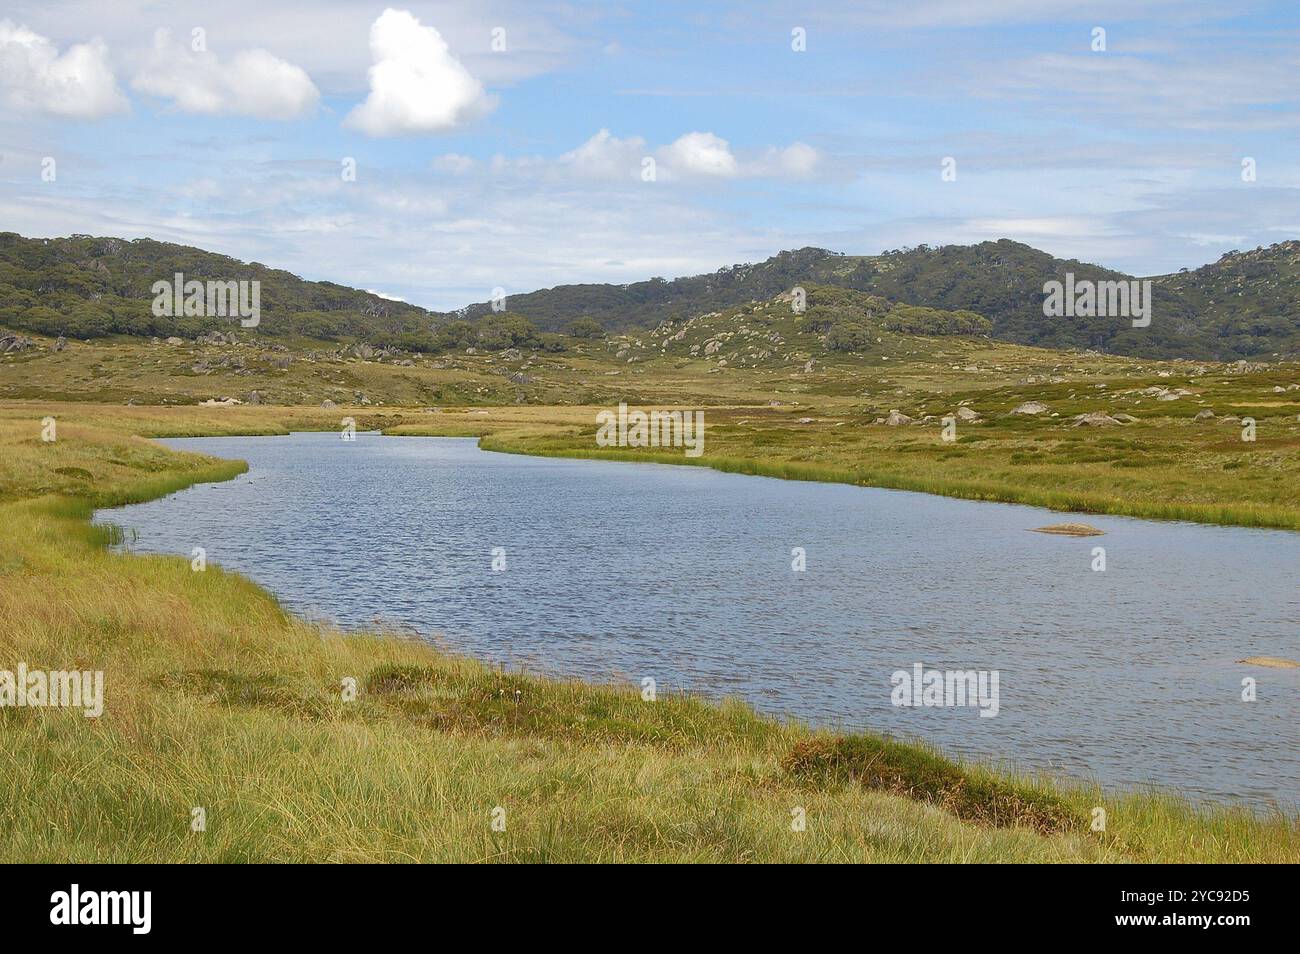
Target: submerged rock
column 1272, row 662
column 1070, row 530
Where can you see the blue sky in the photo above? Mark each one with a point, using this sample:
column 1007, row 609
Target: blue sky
column 523, row 168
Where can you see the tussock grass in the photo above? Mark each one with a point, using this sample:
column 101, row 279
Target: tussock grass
column 914, row 772
column 216, row 698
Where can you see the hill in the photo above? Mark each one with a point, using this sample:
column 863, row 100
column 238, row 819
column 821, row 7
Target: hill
column 87, row 287
column 1244, row 305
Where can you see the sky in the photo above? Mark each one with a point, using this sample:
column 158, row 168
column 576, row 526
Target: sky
column 434, row 152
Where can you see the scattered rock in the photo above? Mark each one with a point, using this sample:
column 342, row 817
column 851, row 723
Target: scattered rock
column 1030, row 407
column 61, row 343
column 1095, row 419
column 253, row 397
column 173, row 341
column 215, row 337
column 1205, row 415
column 896, row 418
column 12, row 343
column 327, row 404
column 1071, row 530
column 967, row 414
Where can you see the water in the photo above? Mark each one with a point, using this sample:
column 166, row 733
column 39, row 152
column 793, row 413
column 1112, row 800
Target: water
column 682, row 574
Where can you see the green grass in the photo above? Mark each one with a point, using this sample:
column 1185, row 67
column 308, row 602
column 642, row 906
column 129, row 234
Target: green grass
column 218, row 699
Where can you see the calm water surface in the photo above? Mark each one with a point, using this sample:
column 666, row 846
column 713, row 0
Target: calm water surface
column 621, row 571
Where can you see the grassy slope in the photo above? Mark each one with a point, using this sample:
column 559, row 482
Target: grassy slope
column 217, row 698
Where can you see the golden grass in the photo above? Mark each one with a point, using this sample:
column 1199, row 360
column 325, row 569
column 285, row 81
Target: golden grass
column 217, row 699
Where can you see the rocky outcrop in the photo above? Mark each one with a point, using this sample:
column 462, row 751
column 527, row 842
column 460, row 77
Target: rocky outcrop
column 12, row 343
column 215, row 338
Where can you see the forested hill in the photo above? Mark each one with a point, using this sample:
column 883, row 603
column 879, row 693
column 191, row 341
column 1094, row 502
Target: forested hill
column 87, row 287
column 1247, row 304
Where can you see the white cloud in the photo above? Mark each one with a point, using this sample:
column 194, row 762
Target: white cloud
column 604, row 156
column 706, row 155
column 35, row 77
column 700, row 153
column 252, row 83
column 416, row 84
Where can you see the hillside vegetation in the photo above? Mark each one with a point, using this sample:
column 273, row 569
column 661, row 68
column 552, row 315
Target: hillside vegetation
column 1246, row 305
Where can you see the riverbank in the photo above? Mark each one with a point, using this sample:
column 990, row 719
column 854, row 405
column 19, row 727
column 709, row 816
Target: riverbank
column 220, row 706
column 1160, row 466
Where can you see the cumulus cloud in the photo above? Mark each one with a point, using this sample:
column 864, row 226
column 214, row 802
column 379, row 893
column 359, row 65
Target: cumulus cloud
column 35, row 77
column 251, row 83
column 700, row 153
column 605, row 156
column 416, row 85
